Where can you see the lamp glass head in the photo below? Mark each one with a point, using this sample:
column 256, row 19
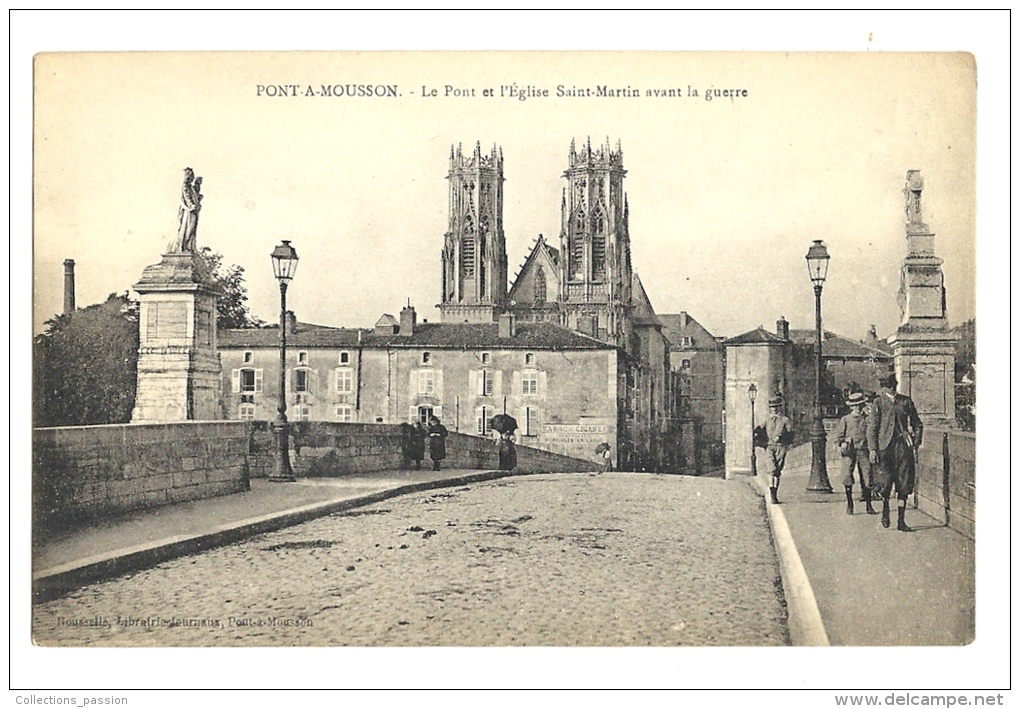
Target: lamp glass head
column 285, row 261
column 817, row 262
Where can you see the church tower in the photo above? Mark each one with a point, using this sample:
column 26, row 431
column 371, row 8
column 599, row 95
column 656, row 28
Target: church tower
column 474, row 252
column 595, row 266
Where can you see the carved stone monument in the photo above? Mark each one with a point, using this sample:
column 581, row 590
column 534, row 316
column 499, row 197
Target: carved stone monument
column 178, row 368
column 924, row 349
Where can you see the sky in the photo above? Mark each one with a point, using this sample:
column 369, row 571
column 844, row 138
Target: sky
column 725, row 196
column 725, row 199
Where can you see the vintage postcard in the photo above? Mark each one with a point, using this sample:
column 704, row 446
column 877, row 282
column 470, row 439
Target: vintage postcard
column 530, row 308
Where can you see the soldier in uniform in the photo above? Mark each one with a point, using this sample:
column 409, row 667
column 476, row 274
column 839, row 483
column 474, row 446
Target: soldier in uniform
column 779, row 431
column 851, row 438
column 894, row 433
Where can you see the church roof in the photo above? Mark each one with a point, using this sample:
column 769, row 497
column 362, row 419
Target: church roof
column 644, row 313
column 541, row 247
column 532, row 335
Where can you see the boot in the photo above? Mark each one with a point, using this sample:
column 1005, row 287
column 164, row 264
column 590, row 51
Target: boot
column 900, row 524
column 867, row 502
column 849, row 500
column 774, row 495
column 885, row 512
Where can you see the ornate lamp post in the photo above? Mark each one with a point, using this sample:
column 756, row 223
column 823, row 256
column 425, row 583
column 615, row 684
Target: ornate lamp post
column 752, row 394
column 285, row 260
column 818, row 267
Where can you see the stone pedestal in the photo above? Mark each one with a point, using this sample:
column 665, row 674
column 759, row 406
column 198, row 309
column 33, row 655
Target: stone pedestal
column 178, row 368
column 924, row 349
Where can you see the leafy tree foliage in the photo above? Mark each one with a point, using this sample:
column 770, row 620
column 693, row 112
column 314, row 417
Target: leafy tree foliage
column 966, row 386
column 232, row 305
column 85, row 365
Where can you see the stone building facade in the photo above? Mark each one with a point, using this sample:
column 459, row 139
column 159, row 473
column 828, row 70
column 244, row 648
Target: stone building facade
column 561, row 387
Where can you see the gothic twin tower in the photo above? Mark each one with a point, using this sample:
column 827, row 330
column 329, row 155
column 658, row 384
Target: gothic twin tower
column 584, row 285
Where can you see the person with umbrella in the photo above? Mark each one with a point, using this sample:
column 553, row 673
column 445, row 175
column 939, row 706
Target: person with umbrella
column 437, row 441
column 505, row 426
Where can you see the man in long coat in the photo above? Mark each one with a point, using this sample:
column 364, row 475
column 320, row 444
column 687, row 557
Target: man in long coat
column 894, row 435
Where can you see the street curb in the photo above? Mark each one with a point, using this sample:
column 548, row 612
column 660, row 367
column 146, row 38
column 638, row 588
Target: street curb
column 56, row 581
column 805, row 622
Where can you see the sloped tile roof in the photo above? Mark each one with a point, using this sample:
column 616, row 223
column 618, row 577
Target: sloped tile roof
column 755, row 337
column 438, row 335
column 839, row 347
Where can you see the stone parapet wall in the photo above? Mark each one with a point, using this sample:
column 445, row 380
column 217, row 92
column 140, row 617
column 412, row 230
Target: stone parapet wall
column 330, row 449
column 83, row 473
column 945, row 478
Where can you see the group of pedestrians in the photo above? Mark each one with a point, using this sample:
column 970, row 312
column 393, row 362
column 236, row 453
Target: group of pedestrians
column 417, row 435
column 877, row 445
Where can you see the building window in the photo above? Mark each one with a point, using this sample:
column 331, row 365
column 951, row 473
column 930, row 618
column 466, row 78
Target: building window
column 483, row 426
column 426, row 381
column 687, row 341
column 529, row 382
column 247, row 380
column 302, row 412
column 302, row 358
column 345, row 358
column 246, row 412
column 344, row 380
column 302, row 380
column 249, row 357
column 345, row 412
column 426, row 357
column 486, row 358
column 540, row 286
column 486, row 382
column 424, row 414
column 530, row 422
column 529, row 359
column 685, row 363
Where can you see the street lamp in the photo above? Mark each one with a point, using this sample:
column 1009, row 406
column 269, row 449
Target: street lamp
column 818, row 267
column 285, row 260
column 752, row 394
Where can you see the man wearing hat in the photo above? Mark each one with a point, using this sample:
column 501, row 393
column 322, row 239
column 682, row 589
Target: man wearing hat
column 779, row 431
column 851, row 438
column 894, row 433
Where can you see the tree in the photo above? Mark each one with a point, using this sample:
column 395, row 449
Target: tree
column 232, row 305
column 85, row 365
column 966, row 374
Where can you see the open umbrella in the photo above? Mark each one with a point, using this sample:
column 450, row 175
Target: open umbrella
column 503, row 423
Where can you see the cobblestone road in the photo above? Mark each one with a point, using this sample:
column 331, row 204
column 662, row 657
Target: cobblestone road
column 562, row 560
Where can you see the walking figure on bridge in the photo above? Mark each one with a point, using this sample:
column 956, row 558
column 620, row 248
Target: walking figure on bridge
column 437, row 441
column 851, row 437
column 779, row 431
column 894, row 435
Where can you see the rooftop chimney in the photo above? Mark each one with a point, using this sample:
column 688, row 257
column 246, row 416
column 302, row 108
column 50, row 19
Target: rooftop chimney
column 68, row 286
column 783, row 328
column 408, row 319
column 291, row 322
column 507, row 326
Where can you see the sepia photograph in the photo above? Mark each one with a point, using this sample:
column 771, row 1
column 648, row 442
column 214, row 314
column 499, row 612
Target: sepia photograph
column 498, row 351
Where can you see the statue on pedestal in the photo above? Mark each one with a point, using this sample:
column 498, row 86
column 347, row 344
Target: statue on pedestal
column 187, row 215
